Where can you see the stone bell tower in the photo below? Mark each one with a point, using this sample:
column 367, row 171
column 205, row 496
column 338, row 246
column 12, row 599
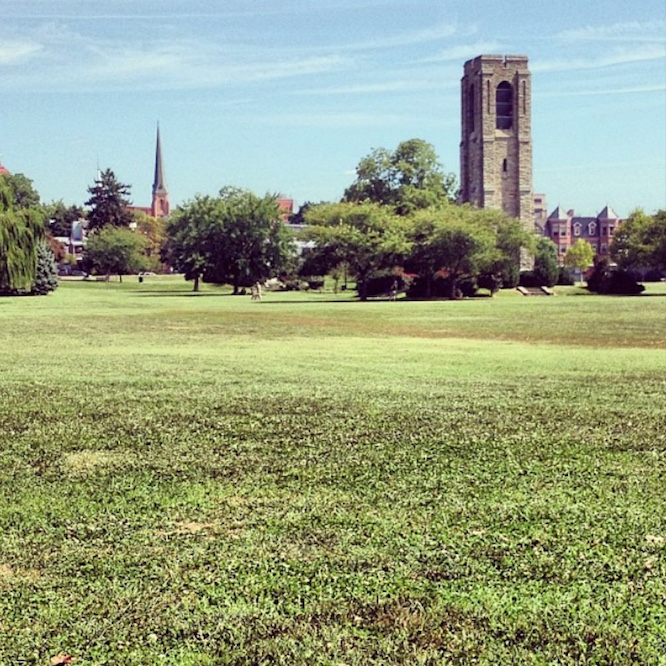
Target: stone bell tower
column 496, row 143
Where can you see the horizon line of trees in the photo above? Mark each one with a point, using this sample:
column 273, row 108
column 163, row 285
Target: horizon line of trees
column 398, row 223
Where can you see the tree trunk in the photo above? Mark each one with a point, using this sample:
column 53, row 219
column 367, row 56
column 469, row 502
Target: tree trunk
column 196, row 283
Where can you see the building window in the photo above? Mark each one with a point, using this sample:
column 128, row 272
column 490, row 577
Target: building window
column 504, row 165
column 576, row 229
column 592, row 229
column 604, row 248
column 504, row 106
column 610, row 231
column 563, row 249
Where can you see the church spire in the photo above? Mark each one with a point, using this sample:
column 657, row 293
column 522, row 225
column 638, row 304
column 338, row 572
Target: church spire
column 160, row 205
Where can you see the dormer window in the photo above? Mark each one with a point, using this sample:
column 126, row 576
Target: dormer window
column 504, row 106
column 576, row 229
column 592, row 229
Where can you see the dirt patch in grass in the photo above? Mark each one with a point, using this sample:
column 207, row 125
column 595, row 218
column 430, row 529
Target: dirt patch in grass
column 87, row 461
column 190, row 527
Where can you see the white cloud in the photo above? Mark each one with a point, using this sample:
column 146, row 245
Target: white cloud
column 16, row 51
column 612, row 58
column 331, row 120
column 374, row 88
column 604, row 92
column 75, row 61
column 465, row 51
column 631, row 31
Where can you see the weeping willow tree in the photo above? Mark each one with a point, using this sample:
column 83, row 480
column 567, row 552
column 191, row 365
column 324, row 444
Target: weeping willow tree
column 20, row 236
column 21, row 233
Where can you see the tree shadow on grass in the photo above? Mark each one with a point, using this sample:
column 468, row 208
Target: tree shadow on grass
column 180, row 294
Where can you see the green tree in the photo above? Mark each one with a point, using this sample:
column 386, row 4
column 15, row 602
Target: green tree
column 366, row 237
column 250, row 242
column 640, row 241
column 500, row 267
column 108, row 202
column 580, row 255
column 60, row 217
column 237, row 238
column 115, row 250
column 17, row 192
column 46, row 272
column 451, row 243
column 187, row 247
column 21, row 233
column 546, row 263
column 154, row 230
column 409, row 178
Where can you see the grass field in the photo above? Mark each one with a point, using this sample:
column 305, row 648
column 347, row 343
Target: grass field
column 202, row 479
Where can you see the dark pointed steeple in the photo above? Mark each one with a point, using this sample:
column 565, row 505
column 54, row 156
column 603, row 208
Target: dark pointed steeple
column 160, row 205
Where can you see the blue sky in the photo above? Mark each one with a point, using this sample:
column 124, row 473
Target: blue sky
column 288, row 95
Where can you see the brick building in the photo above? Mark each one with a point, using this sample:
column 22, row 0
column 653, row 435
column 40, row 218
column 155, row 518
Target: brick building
column 564, row 229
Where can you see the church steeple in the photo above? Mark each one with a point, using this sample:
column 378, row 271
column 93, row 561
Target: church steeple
column 160, row 205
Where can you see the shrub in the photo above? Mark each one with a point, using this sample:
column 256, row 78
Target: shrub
column 605, row 279
column 565, row 277
column 654, row 275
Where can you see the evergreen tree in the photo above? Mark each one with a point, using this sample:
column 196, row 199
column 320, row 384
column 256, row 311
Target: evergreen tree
column 109, row 199
column 46, row 276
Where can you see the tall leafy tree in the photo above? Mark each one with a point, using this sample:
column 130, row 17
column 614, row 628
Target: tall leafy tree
column 408, row 179
column 546, row 263
column 450, row 242
column 108, row 202
column 640, row 241
column 237, row 238
column 250, row 243
column 187, row 247
column 367, row 237
column 60, row 217
column 115, row 250
column 18, row 192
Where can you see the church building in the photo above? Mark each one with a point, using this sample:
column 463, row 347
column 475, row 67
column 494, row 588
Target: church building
column 159, row 206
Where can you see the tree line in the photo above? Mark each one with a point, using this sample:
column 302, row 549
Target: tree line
column 397, row 226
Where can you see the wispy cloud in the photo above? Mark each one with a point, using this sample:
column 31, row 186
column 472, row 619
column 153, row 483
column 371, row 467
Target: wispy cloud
column 68, row 60
column 373, row 88
column 15, row 51
column 605, row 92
column 616, row 57
column 331, row 120
column 464, row 51
column 630, row 31
column 433, row 34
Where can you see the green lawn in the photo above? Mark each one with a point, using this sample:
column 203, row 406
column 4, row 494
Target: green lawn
column 203, row 479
